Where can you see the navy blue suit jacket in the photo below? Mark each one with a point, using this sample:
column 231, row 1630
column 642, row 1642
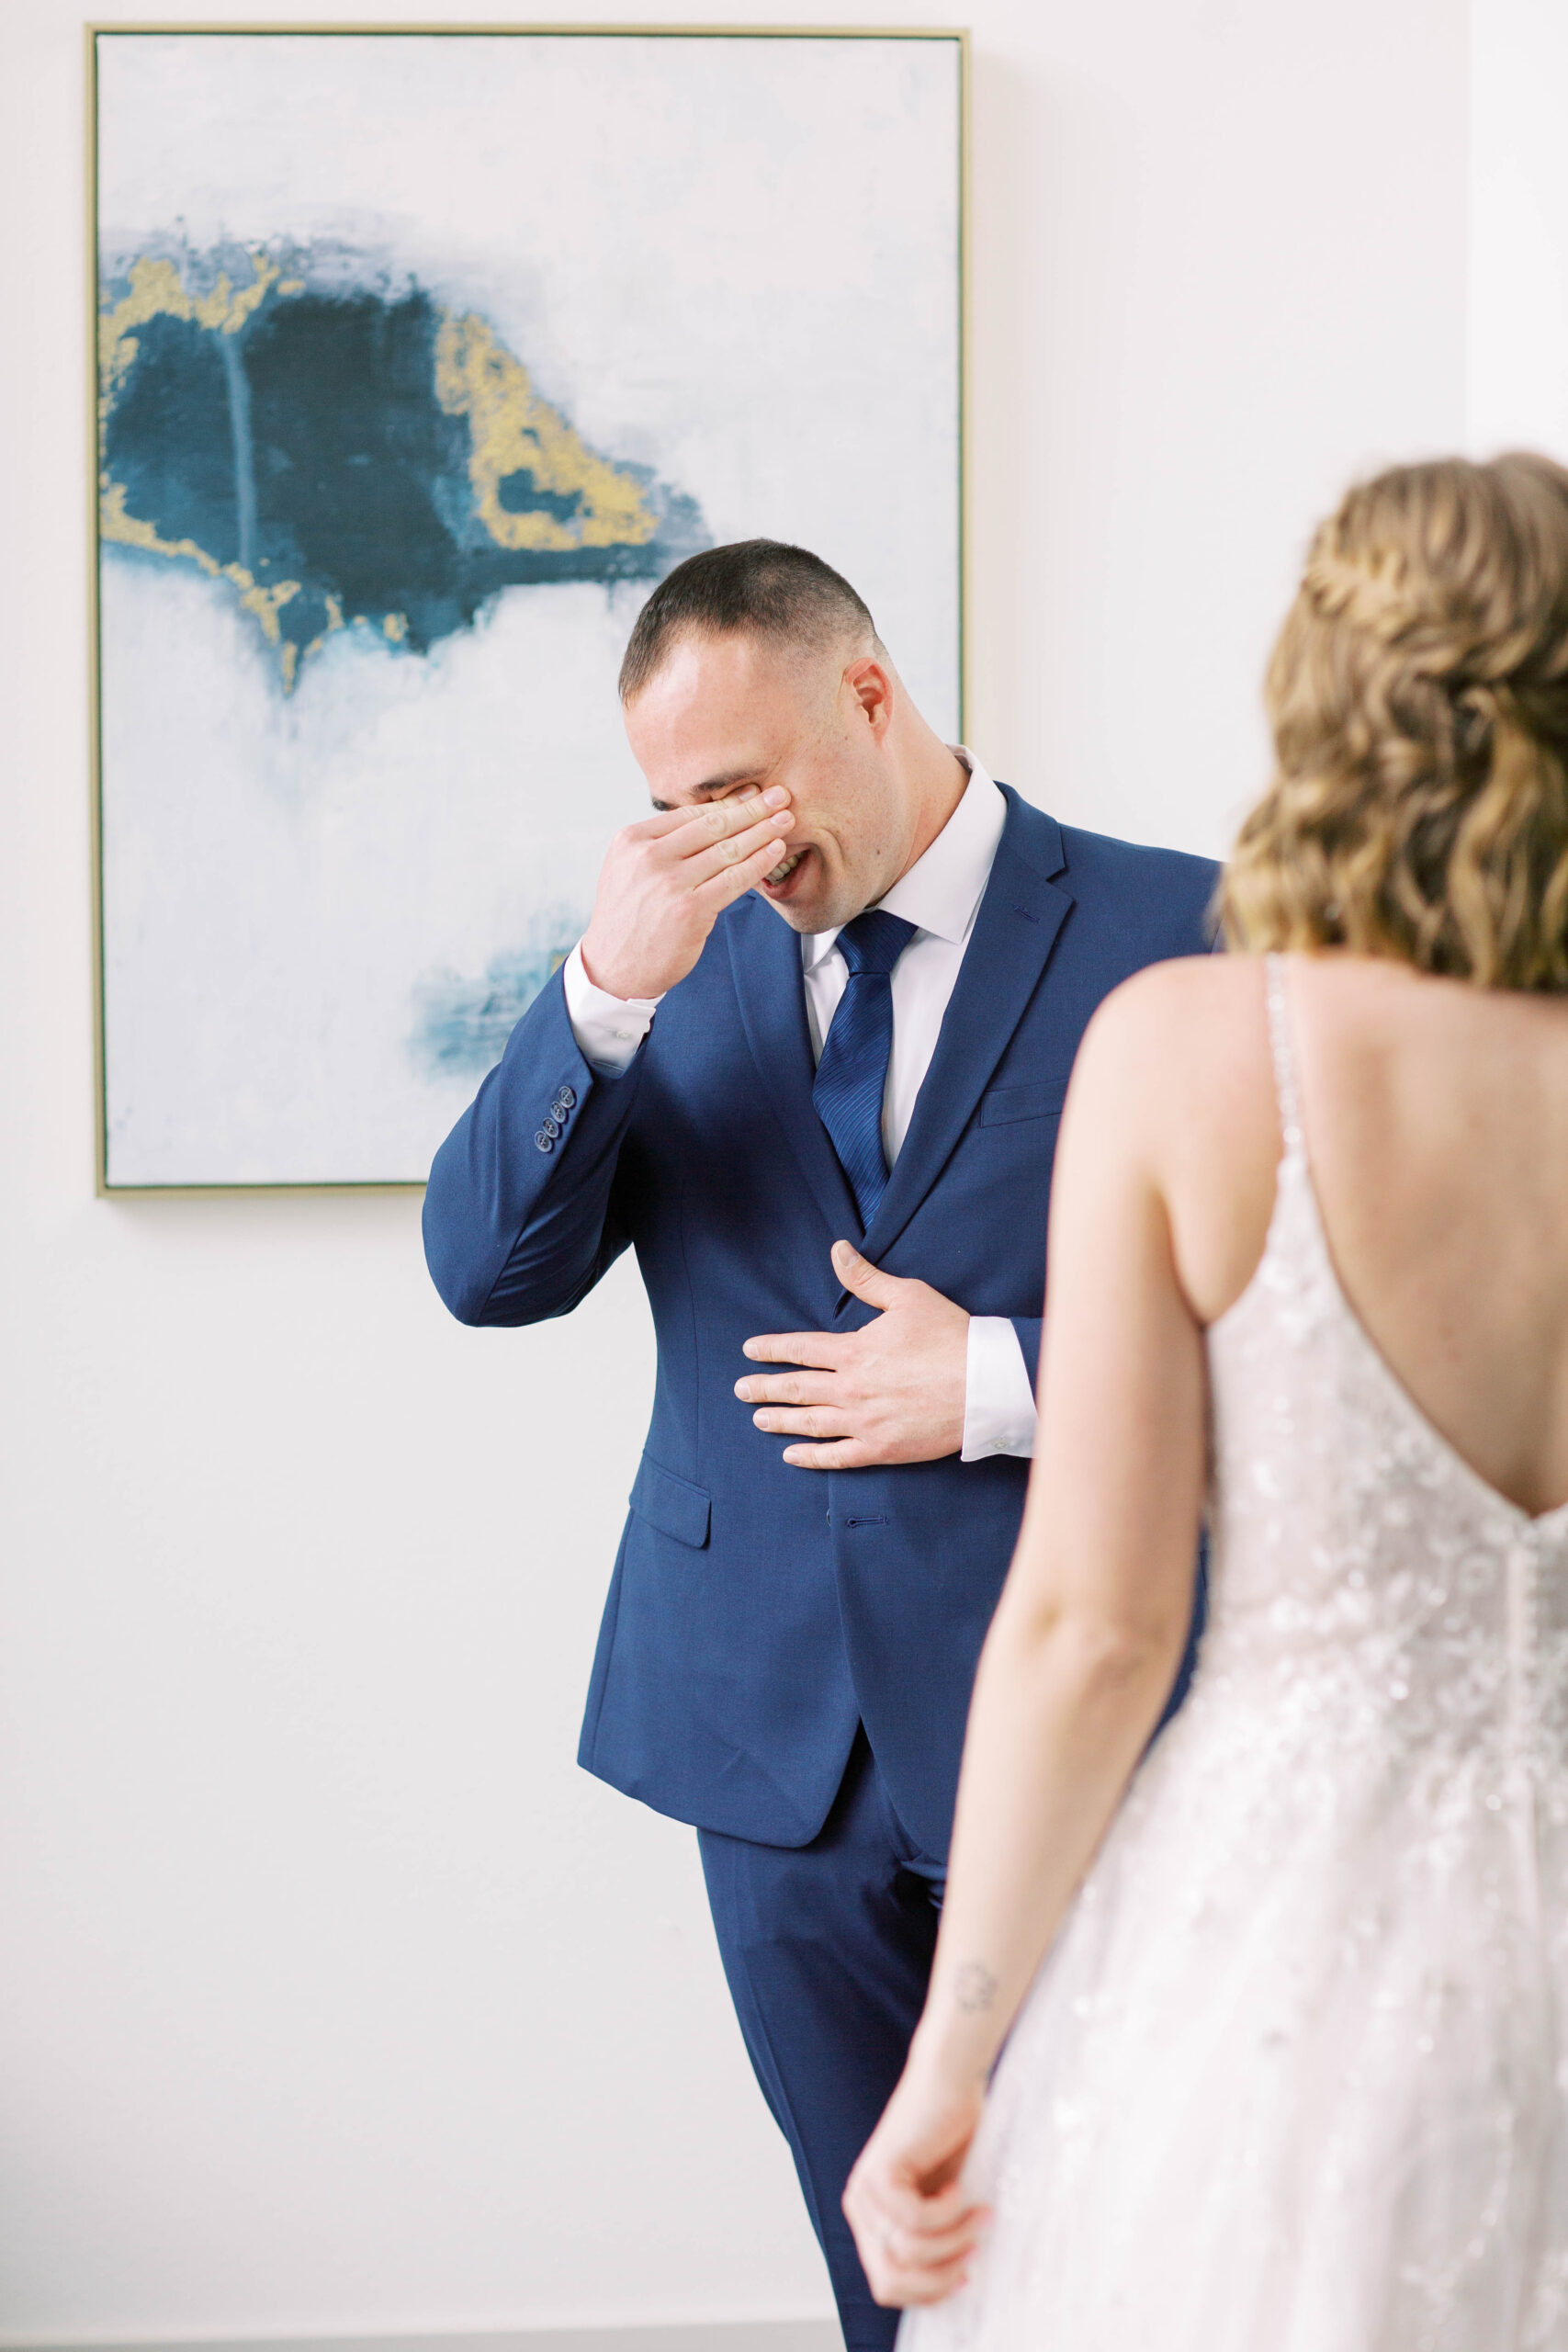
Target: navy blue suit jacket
column 758, row 1612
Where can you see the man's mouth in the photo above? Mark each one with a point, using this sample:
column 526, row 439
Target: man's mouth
column 783, row 869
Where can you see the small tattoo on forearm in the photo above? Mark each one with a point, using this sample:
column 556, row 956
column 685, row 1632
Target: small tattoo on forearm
column 974, row 1987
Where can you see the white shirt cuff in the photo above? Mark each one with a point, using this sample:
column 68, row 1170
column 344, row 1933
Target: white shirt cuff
column 999, row 1400
column 608, row 1029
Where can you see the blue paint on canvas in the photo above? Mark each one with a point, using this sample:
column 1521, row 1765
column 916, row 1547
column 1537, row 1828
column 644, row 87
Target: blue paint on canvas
column 462, row 1026
column 350, row 454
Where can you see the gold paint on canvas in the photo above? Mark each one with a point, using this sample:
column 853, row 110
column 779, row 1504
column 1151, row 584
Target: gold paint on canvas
column 158, row 290
column 511, row 431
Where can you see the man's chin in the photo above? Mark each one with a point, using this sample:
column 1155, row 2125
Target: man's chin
column 800, row 917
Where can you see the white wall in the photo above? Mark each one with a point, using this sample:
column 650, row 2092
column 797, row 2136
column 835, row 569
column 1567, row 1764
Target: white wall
column 333, row 1997
column 1518, row 228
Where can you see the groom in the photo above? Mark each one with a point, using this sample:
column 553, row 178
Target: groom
column 829, row 1138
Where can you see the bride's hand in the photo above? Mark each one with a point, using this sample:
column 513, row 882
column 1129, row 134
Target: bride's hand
column 915, row 2224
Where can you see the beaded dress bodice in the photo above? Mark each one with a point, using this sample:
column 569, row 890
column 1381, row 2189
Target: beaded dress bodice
column 1370, row 1588
column 1292, row 2077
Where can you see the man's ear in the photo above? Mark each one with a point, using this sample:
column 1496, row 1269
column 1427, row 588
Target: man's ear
column 870, row 683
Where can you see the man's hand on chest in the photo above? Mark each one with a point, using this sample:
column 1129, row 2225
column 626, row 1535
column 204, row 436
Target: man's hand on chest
column 892, row 1391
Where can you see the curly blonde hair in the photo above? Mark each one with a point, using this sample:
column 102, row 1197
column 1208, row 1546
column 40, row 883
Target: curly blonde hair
column 1418, row 695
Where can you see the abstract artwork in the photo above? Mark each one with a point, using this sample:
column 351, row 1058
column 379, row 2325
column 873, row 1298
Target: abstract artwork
column 420, row 357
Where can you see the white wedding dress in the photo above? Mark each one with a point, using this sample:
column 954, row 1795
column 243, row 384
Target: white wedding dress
column 1293, row 2077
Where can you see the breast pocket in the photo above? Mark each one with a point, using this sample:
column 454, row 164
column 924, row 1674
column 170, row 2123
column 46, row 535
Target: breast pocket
column 1042, row 1100
column 672, row 1505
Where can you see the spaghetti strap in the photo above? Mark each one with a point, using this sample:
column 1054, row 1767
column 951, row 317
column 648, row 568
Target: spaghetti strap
column 1280, row 1040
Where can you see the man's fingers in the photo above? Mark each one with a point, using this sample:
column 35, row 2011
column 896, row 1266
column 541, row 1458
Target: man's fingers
column 847, row 1454
column 689, row 830
column 734, row 882
column 818, row 1349
column 660, row 826
column 787, row 1388
column 803, row 1420
column 734, row 849
column 866, row 1281
column 744, row 806
column 711, row 820
column 714, row 820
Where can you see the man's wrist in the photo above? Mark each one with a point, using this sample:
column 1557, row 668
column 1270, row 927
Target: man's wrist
column 599, row 969
column 998, row 1396
column 608, row 1029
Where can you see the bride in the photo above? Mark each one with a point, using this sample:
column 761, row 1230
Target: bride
column 1293, row 2075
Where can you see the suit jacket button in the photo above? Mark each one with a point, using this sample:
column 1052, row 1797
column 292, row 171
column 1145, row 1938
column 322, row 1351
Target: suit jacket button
column 552, row 1128
column 568, row 1096
column 559, row 1110
column 545, row 1142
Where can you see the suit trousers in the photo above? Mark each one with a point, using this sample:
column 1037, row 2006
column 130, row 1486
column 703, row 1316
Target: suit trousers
column 827, row 1949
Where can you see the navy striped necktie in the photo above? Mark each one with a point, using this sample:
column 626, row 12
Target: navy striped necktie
column 853, row 1074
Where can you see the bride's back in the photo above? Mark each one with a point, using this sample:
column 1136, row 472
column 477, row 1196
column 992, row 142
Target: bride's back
column 1435, row 1123
column 1436, row 1115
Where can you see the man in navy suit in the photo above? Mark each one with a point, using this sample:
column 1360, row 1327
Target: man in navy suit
column 829, row 1138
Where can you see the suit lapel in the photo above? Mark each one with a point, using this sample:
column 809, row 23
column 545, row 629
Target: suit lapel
column 1021, row 912
column 764, row 956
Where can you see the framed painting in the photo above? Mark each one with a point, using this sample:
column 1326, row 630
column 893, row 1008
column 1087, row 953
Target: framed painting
column 418, row 355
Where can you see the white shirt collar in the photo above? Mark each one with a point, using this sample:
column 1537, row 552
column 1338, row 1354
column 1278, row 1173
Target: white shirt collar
column 942, row 889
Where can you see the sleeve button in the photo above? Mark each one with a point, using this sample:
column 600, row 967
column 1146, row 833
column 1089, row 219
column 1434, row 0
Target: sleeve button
column 545, row 1142
column 568, row 1096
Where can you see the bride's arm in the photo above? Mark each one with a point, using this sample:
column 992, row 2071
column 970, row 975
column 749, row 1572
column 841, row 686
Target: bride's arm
column 1082, row 1651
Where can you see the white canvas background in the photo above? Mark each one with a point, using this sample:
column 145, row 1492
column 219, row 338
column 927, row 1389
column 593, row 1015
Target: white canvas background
column 734, row 260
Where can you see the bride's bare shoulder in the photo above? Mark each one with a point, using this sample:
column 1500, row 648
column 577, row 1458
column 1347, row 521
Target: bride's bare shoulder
column 1195, row 1014
column 1174, row 1078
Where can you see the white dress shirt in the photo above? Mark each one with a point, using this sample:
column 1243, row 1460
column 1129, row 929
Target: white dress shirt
column 940, row 896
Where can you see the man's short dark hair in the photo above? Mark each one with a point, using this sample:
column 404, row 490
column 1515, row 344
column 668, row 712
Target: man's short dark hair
column 756, row 588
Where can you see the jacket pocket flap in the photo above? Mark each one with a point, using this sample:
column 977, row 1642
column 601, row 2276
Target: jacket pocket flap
column 1041, row 1101
column 672, row 1505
